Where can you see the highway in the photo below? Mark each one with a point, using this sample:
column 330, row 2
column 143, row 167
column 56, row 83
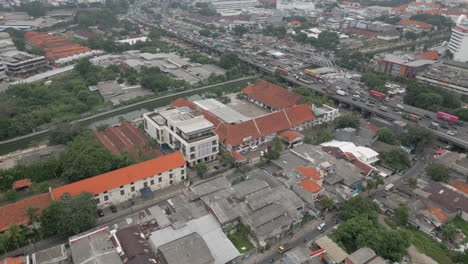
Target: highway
column 460, row 139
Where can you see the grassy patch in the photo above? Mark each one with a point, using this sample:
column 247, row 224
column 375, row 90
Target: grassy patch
column 306, row 219
column 460, row 223
column 240, row 243
column 429, row 247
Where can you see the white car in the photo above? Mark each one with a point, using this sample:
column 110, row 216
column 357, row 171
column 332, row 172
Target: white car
column 320, row 227
column 451, row 133
column 356, row 96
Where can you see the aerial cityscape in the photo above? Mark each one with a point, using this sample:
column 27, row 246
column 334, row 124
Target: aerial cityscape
column 233, row 131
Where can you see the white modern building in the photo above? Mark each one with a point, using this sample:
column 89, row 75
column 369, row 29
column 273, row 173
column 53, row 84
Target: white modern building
column 305, row 5
column 459, row 40
column 184, row 129
column 124, row 184
column 364, row 154
column 232, row 7
column 324, row 113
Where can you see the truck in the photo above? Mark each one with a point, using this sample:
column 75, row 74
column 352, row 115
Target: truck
column 341, row 92
column 383, row 108
column 388, row 187
column 305, row 81
column 378, row 94
column 330, row 91
column 413, row 117
column 310, row 72
column 447, row 117
column 433, row 125
column 282, row 71
column 320, row 79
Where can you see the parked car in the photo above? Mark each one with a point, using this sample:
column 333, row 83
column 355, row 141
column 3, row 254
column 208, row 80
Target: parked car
column 284, row 248
column 100, row 212
column 113, row 208
column 321, row 227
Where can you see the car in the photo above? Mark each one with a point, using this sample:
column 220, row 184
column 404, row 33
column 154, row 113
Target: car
column 321, row 227
column 100, row 212
column 113, row 208
column 399, row 106
column 451, row 133
column 283, row 248
column 253, row 148
column 262, row 153
column 356, row 96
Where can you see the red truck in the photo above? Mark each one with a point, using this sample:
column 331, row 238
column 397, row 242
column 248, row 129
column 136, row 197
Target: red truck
column 378, row 94
column 282, row 71
column 413, row 117
column 320, row 79
column 447, row 117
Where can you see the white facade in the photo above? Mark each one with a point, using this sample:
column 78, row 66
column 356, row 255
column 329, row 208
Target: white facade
column 228, row 7
column 324, row 114
column 295, row 4
column 459, row 40
column 132, row 41
column 132, row 190
column 186, row 130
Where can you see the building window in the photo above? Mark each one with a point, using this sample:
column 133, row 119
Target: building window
column 170, row 182
column 213, row 143
column 97, row 200
column 160, row 179
column 132, row 183
column 106, row 198
column 192, row 149
column 105, row 192
column 170, row 176
column 121, row 186
column 133, row 188
column 182, row 172
column 213, row 149
column 152, row 182
column 192, row 156
column 159, row 174
column 122, row 192
column 183, row 178
column 145, row 184
column 170, row 170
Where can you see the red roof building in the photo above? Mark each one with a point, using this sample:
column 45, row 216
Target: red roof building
column 16, row 213
column 55, row 48
column 463, row 187
column 290, row 136
column 16, row 260
column 236, row 136
column 237, row 156
column 126, row 137
column 310, row 173
column 21, row 184
column 429, row 55
column 114, row 179
column 271, row 96
column 420, row 24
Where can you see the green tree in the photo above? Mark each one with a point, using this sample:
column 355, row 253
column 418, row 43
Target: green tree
column 307, row 140
column 229, row 60
column 226, row 158
column 34, row 217
column 349, row 120
column 386, row 135
column 76, row 214
column 370, row 184
column 205, row 32
column 272, row 155
column 16, row 235
column 438, row 172
column 240, row 30
column 201, row 168
column 449, row 231
column 396, row 158
column 413, row 182
column 358, row 206
column 11, row 195
column 63, row 133
column 50, row 218
column 34, row 9
column 326, row 202
column 277, row 144
column 418, row 136
column 401, row 214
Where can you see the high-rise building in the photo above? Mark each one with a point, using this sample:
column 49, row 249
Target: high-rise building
column 459, row 40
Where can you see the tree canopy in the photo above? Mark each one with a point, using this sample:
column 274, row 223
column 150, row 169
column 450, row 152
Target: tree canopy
column 438, row 172
column 358, row 206
column 349, row 120
column 386, row 135
column 34, row 9
column 418, row 136
column 396, row 158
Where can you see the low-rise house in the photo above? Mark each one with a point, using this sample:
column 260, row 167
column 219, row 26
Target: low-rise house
column 324, row 113
column 121, row 185
column 186, row 130
column 53, row 255
column 135, row 247
column 448, row 198
column 364, row 154
column 334, row 253
column 364, row 256
column 97, row 246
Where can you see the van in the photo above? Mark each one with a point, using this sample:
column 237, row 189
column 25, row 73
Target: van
column 253, row 148
column 388, row 187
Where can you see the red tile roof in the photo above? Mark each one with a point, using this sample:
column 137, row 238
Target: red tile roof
column 126, row 137
column 461, row 186
column 400, row 8
column 440, row 151
column 289, row 135
column 116, row 178
column 272, row 95
column 430, row 55
column 18, row 260
column 295, row 22
column 309, row 185
column 415, row 22
column 182, row 102
column 234, row 134
column 438, row 213
column 237, row 156
column 15, row 213
column 21, row 183
column 53, row 46
column 365, row 168
column 309, row 173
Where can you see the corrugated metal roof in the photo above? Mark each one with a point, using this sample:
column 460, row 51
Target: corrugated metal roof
column 220, row 246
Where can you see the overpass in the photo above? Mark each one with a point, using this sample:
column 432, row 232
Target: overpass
column 318, row 88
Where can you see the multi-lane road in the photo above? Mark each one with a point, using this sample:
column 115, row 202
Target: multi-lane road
column 392, row 113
